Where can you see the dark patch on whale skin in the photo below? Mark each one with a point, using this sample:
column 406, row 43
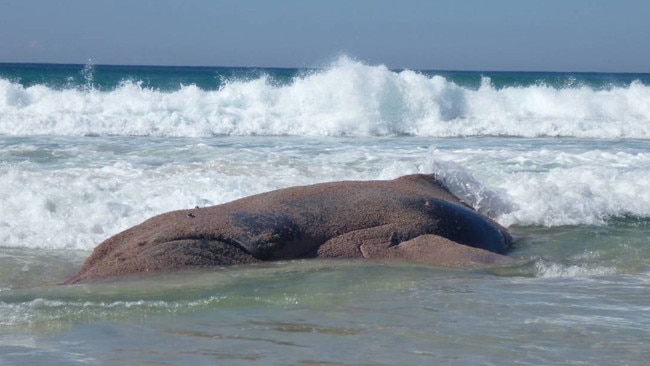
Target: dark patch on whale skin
column 462, row 225
column 266, row 236
column 351, row 219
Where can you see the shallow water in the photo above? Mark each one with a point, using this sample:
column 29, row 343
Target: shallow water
column 319, row 312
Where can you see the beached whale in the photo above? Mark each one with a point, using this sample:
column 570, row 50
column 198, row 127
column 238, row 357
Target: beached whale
column 412, row 218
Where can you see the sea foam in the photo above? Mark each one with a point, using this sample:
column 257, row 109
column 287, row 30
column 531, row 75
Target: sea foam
column 545, row 186
column 348, row 98
column 84, row 193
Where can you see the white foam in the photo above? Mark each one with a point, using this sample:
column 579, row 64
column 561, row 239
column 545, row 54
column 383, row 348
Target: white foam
column 588, row 192
column 82, row 190
column 548, row 188
column 556, row 270
column 78, row 208
column 347, row 98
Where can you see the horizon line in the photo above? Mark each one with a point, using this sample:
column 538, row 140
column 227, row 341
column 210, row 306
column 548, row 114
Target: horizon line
column 319, row 68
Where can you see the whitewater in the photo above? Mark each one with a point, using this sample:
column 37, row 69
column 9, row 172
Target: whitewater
column 346, row 99
column 561, row 159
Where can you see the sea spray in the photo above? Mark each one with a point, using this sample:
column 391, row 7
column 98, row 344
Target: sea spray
column 549, row 185
column 348, row 98
column 74, row 192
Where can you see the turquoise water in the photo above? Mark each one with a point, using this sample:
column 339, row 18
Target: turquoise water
column 170, row 78
column 336, row 312
column 561, row 159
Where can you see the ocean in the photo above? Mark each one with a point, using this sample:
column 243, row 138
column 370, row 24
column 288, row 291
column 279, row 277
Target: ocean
column 561, row 159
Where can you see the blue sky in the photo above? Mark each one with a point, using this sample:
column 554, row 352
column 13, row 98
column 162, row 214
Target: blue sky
column 550, row 35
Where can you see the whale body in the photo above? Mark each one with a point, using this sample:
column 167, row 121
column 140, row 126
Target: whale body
column 411, row 218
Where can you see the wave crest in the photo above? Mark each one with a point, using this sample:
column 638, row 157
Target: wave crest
column 348, row 98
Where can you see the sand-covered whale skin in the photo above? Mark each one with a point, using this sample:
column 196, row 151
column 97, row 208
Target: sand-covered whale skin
column 411, row 218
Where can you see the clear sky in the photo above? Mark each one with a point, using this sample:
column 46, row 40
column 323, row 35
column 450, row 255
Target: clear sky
column 483, row 35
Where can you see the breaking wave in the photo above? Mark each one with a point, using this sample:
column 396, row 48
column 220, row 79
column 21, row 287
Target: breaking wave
column 348, row 98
